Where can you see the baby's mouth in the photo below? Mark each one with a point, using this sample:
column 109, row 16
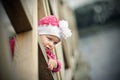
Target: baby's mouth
column 47, row 49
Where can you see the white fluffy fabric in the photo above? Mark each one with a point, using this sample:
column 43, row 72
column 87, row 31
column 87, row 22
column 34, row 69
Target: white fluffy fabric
column 65, row 31
column 49, row 29
column 62, row 31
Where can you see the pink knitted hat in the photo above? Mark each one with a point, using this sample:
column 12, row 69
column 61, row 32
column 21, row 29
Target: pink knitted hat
column 51, row 25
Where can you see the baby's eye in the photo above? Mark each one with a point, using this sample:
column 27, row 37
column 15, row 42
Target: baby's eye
column 55, row 43
column 49, row 38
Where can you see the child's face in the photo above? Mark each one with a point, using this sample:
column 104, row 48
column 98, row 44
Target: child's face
column 49, row 41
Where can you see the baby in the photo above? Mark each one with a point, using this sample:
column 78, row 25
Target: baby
column 52, row 31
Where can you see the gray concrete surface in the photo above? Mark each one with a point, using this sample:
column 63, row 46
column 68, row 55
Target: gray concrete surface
column 101, row 50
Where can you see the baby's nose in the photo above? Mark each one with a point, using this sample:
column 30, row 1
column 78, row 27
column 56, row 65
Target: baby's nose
column 48, row 47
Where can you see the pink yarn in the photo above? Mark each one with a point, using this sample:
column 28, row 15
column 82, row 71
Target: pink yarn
column 49, row 20
column 51, row 55
column 12, row 45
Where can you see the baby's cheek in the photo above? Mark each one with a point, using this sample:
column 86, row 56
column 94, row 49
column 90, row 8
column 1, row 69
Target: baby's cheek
column 44, row 44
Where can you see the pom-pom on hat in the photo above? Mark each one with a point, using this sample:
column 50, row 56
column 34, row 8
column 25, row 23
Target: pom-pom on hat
column 51, row 25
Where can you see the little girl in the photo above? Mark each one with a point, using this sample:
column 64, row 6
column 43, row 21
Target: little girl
column 52, row 31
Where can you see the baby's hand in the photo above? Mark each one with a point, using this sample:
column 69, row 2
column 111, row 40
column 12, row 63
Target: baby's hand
column 52, row 63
